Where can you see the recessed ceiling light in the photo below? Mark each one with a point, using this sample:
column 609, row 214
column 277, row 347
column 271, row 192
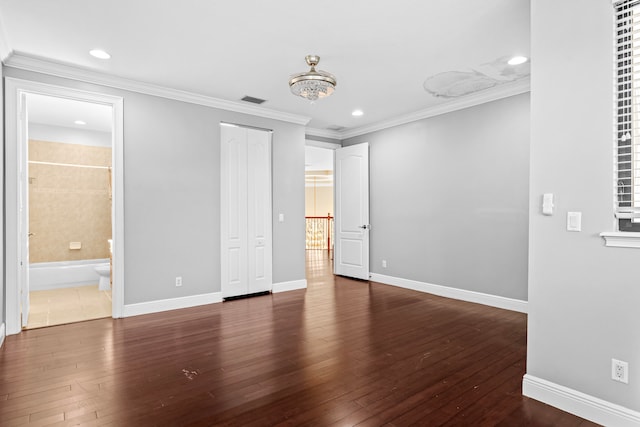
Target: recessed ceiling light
column 80, row 122
column 517, row 60
column 357, row 113
column 99, row 53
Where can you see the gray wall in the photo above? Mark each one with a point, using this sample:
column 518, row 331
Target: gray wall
column 583, row 297
column 172, row 193
column 449, row 198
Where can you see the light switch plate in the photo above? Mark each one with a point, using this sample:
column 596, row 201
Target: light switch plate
column 574, row 221
column 547, row 204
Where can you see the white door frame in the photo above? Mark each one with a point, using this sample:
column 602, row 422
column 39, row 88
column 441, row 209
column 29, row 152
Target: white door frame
column 15, row 127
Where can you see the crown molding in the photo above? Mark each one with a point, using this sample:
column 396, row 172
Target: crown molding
column 497, row 92
column 41, row 65
column 323, row 133
column 321, row 144
column 45, row 66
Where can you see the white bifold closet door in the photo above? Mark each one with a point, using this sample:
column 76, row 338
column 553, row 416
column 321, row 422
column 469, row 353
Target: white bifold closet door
column 245, row 210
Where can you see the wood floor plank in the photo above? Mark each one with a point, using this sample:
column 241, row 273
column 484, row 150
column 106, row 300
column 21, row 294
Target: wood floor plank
column 342, row 352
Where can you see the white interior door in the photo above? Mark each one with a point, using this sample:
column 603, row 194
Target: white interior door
column 259, row 210
column 234, row 211
column 351, row 257
column 246, row 253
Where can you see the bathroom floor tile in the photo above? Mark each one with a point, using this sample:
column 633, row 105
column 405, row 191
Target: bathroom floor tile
column 66, row 316
column 93, row 311
column 37, row 320
column 87, row 290
column 39, row 296
column 37, row 307
column 68, row 305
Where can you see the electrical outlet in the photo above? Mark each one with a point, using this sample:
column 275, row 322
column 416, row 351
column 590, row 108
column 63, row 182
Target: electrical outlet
column 384, row 263
column 179, row 281
column 620, row 371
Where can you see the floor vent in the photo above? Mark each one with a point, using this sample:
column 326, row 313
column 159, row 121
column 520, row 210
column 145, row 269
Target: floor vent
column 257, row 294
column 253, row 100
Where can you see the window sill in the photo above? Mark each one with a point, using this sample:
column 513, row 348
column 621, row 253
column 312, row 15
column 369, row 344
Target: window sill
column 621, row 239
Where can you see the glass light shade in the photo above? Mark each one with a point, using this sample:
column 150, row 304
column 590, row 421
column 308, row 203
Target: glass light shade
column 312, row 84
column 312, row 89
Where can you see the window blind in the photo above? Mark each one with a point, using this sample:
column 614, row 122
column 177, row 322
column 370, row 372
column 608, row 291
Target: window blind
column 627, row 60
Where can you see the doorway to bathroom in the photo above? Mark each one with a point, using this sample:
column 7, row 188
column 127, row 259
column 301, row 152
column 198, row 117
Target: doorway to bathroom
column 69, row 194
column 64, row 205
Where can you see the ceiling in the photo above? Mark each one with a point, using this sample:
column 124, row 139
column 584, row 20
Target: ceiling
column 381, row 52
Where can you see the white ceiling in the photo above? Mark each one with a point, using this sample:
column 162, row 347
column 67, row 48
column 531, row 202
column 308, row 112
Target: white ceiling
column 380, row 51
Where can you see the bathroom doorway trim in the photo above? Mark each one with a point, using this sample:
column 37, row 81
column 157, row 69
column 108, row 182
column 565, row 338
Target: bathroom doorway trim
column 15, row 132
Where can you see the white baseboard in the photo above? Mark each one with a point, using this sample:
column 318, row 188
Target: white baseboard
column 195, row 300
column 2, row 334
column 580, row 404
column 289, row 286
column 171, row 304
column 460, row 294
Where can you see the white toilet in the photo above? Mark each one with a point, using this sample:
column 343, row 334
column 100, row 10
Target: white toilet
column 104, row 271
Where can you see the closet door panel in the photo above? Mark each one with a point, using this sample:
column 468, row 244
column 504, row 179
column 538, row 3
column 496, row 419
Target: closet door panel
column 234, row 212
column 245, row 211
column 259, row 209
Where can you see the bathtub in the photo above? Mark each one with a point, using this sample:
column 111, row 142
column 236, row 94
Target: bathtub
column 63, row 274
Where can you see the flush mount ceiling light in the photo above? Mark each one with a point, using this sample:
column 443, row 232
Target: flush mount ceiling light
column 357, row 113
column 99, row 53
column 313, row 84
column 80, row 122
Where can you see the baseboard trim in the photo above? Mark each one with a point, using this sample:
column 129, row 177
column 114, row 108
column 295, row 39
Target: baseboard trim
column 578, row 403
column 171, row 304
column 448, row 292
column 2, row 334
column 195, row 300
column 289, row 286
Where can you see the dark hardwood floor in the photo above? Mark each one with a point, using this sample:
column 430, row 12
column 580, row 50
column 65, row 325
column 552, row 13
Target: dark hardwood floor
column 342, row 352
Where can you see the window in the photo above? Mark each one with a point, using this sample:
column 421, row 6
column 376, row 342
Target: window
column 627, row 61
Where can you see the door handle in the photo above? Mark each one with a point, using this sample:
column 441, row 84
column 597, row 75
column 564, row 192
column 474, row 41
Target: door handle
column 364, row 227
column 31, row 234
